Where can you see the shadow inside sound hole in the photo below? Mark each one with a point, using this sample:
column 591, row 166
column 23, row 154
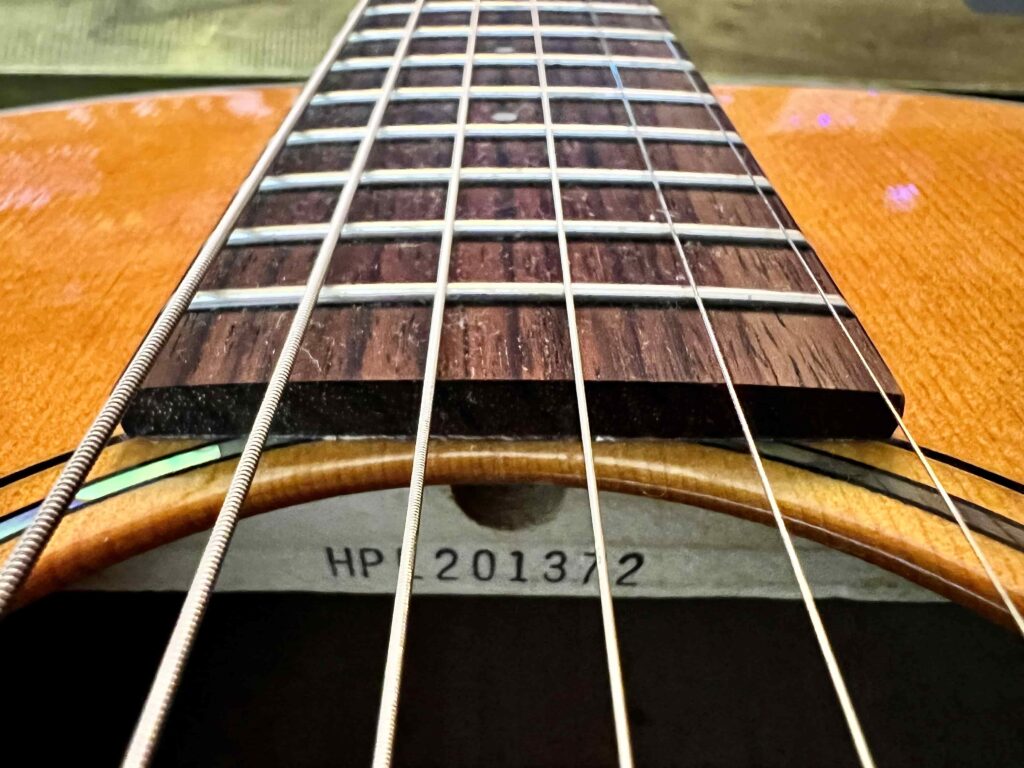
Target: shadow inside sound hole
column 294, row 679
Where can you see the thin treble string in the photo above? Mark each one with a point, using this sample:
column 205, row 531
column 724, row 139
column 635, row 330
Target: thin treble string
column 387, row 717
column 828, row 654
column 168, row 675
column 929, row 469
column 35, row 537
column 611, row 640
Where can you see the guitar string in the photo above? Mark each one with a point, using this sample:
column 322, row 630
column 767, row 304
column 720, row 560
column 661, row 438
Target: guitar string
column 806, row 594
column 933, row 477
column 392, row 679
column 36, row 536
column 387, row 717
column 5, row 595
column 168, row 676
column 619, row 710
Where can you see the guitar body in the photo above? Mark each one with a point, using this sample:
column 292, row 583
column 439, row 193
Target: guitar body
column 103, row 204
column 902, row 211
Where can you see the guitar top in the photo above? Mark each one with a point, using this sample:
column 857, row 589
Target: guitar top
column 496, row 244
column 886, row 185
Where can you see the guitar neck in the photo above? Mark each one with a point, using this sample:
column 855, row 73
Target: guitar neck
column 648, row 186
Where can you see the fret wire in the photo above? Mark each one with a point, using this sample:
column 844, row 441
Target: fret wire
column 933, row 477
column 345, row 294
column 168, row 676
column 513, row 131
column 513, row 30
column 807, row 596
column 391, row 230
column 36, row 536
column 513, row 176
column 388, row 715
column 560, row 92
column 611, row 641
column 454, row 6
column 425, row 61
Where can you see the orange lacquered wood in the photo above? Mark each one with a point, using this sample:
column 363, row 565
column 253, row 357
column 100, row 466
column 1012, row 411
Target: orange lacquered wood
column 909, row 200
column 102, row 207
column 916, row 544
column 913, row 202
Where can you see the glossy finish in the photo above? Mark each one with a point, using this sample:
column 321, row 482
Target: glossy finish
column 911, row 202
column 102, row 207
column 503, row 368
column 845, row 513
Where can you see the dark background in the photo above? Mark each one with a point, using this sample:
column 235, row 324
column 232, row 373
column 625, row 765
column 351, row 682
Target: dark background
column 294, row 679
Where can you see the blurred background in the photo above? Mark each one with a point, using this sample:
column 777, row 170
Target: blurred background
column 60, row 49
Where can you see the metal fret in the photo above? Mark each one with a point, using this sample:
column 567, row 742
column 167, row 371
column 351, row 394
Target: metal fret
column 426, row 61
column 24, row 555
column 516, row 131
column 314, row 293
column 347, row 294
column 954, row 510
column 456, row 6
column 396, row 176
column 172, row 663
column 514, row 30
column 502, row 92
column 387, row 719
column 395, row 230
column 617, row 688
column 828, row 655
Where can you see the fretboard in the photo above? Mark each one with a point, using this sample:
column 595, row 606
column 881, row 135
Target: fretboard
column 649, row 171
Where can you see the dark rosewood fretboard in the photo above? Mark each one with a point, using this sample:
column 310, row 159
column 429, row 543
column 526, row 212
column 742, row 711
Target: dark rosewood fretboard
column 505, row 367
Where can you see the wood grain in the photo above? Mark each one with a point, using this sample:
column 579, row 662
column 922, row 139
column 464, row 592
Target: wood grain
column 900, row 537
column 147, row 212
column 129, row 201
column 519, row 260
column 952, row 334
column 648, row 370
column 506, row 372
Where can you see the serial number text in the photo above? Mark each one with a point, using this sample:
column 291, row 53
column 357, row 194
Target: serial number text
column 445, row 564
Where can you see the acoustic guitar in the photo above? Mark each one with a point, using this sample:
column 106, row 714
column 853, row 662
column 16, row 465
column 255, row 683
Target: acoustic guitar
column 504, row 248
